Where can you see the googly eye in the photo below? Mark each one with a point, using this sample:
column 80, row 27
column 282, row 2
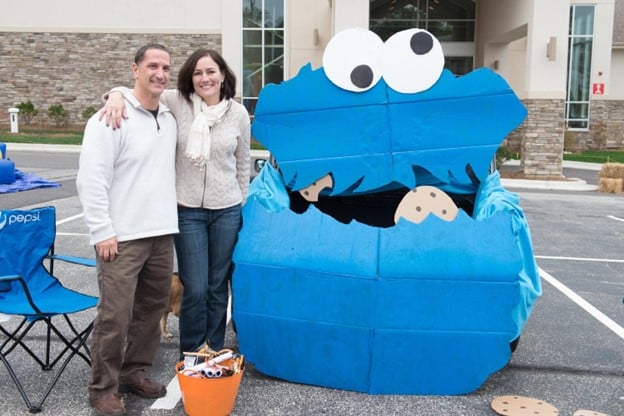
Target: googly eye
column 412, row 61
column 351, row 59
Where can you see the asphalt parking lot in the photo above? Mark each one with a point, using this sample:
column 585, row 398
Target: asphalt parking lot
column 571, row 353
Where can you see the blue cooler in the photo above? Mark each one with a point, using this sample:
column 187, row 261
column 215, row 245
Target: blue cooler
column 7, row 167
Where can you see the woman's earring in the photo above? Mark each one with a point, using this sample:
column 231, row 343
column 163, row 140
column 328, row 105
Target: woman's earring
column 222, row 85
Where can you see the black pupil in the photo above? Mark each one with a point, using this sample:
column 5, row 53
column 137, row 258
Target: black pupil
column 421, row 43
column 362, row 76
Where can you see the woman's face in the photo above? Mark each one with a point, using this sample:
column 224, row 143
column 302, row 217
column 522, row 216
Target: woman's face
column 207, row 80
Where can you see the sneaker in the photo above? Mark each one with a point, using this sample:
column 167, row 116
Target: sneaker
column 109, row 405
column 144, row 388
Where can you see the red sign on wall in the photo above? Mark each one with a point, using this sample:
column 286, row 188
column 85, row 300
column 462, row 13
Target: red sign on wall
column 598, row 89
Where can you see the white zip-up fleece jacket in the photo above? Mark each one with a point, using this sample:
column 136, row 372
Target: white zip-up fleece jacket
column 126, row 177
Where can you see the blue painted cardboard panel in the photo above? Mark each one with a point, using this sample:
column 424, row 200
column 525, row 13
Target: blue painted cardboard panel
column 307, row 352
column 434, row 362
column 297, row 293
column 457, row 250
column 283, row 241
column 435, row 305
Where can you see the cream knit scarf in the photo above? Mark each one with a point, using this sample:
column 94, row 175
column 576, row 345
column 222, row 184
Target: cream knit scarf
column 198, row 145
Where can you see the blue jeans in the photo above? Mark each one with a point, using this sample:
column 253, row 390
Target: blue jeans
column 204, row 248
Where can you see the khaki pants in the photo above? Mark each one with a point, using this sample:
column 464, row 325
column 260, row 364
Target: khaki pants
column 134, row 291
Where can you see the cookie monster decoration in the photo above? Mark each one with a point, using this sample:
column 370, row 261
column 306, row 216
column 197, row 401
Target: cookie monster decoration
column 379, row 254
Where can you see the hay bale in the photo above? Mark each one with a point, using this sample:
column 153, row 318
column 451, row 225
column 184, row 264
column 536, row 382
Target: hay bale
column 611, row 185
column 612, row 170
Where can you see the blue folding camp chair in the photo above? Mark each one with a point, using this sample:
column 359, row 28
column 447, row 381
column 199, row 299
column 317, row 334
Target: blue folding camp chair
column 28, row 289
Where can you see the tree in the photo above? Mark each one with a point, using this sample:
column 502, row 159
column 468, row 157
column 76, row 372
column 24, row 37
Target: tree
column 57, row 113
column 27, row 111
column 88, row 112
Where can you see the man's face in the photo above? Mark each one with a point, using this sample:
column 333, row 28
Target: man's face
column 152, row 74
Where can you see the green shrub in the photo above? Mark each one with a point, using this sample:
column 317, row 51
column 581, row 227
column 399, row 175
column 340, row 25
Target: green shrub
column 88, row 112
column 57, row 113
column 27, row 111
column 503, row 154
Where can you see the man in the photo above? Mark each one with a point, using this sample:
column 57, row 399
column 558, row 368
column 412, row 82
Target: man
column 126, row 184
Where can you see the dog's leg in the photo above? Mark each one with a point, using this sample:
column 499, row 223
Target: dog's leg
column 163, row 326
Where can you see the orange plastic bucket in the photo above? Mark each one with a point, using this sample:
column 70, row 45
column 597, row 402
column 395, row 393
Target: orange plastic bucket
column 208, row 396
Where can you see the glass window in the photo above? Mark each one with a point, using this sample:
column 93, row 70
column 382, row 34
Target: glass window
column 459, row 65
column 448, row 20
column 583, row 23
column 274, row 13
column 263, row 47
column 452, row 31
column 451, row 9
column 252, row 14
column 579, row 66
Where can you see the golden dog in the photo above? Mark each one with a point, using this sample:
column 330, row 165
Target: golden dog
column 175, row 299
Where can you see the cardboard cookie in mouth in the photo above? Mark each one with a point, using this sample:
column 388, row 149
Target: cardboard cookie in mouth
column 382, row 209
column 379, row 254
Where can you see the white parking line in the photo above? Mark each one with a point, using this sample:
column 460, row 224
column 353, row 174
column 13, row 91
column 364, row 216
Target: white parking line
column 171, row 399
column 580, row 259
column 589, row 308
column 73, row 234
column 69, row 219
column 615, row 218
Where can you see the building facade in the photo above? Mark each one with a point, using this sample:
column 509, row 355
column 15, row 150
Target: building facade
column 561, row 57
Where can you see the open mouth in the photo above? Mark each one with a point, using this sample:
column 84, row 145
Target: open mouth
column 380, row 209
column 385, row 206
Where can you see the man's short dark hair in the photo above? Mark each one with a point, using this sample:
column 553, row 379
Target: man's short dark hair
column 140, row 54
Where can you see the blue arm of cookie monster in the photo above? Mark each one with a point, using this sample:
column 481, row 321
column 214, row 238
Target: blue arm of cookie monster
column 491, row 199
column 268, row 188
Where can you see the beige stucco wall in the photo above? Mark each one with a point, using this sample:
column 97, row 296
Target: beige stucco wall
column 602, row 46
column 616, row 90
column 513, row 36
column 546, row 76
column 308, row 31
column 232, row 39
column 142, row 16
column 312, row 23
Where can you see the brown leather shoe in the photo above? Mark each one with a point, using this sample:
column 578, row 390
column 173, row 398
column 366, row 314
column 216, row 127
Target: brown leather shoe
column 109, row 405
column 144, row 388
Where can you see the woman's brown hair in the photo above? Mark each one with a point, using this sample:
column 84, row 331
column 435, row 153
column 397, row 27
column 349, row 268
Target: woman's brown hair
column 185, row 76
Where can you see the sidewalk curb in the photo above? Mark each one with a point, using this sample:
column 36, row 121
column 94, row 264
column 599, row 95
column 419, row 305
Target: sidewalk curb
column 40, row 147
column 572, row 184
column 566, row 164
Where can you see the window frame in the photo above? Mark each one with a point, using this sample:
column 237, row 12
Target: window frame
column 583, row 78
column 249, row 94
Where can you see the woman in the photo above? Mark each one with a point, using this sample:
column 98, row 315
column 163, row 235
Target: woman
column 212, row 179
